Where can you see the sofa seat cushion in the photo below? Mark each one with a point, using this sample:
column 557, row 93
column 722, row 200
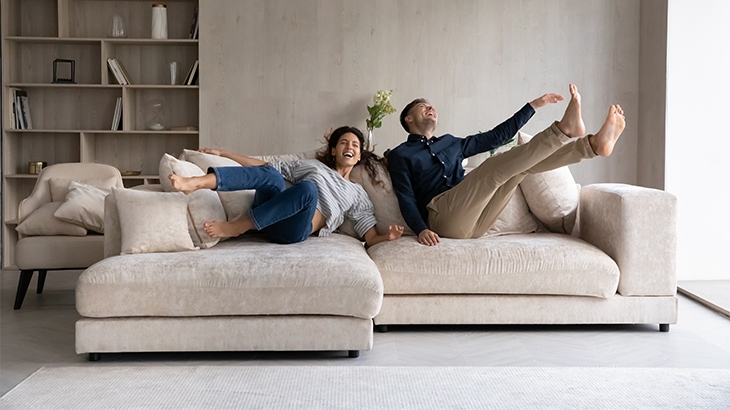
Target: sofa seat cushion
column 245, row 276
column 522, row 264
column 59, row 252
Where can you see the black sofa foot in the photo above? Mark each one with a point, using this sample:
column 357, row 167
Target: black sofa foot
column 94, row 357
column 664, row 327
column 353, row 353
column 381, row 328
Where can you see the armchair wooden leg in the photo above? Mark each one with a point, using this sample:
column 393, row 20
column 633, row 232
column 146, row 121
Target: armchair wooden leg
column 41, row 281
column 23, row 282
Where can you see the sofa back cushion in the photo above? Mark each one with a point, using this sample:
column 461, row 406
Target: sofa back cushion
column 552, row 196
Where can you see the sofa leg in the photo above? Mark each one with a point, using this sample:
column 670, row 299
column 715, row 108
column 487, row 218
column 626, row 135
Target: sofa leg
column 94, row 357
column 23, row 282
column 353, row 353
column 41, row 281
column 663, row 327
column 381, row 328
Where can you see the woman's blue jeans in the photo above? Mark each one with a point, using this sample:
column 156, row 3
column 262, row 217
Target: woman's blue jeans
column 283, row 215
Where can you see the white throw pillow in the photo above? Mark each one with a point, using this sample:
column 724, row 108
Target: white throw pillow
column 84, row 206
column 235, row 203
column 170, row 165
column 59, row 186
column 204, row 205
column 153, row 221
column 515, row 217
column 41, row 222
column 552, row 196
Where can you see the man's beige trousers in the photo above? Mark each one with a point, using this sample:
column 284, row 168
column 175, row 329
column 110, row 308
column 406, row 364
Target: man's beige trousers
column 470, row 208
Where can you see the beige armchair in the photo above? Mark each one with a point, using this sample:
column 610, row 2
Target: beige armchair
column 59, row 252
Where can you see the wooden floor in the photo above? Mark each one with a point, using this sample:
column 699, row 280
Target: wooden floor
column 42, row 334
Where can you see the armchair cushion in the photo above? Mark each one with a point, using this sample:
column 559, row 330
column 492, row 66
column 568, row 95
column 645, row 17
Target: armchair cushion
column 42, row 222
column 84, row 206
column 61, row 186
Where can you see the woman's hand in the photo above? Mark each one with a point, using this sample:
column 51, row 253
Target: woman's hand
column 394, row 232
column 211, row 151
column 545, row 100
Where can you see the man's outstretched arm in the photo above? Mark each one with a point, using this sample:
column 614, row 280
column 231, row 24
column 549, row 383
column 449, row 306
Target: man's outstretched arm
column 496, row 137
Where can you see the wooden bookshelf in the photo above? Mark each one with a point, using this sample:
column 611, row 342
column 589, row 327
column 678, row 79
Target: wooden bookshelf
column 72, row 122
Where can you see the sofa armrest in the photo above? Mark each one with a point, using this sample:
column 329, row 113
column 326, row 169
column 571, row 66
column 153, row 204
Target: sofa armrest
column 637, row 228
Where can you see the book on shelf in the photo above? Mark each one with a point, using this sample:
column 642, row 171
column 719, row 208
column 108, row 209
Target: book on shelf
column 21, row 109
column 192, row 74
column 127, row 78
column 120, row 73
column 115, row 71
column 194, row 25
column 117, row 120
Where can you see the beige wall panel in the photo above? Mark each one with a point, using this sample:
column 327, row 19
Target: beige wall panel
column 277, row 74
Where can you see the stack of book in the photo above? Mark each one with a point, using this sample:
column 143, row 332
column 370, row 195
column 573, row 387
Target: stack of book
column 120, row 73
column 117, row 120
column 21, row 109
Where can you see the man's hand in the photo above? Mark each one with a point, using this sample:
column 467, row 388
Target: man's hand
column 428, row 237
column 545, row 100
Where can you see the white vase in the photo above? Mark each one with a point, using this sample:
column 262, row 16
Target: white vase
column 369, row 140
column 159, row 21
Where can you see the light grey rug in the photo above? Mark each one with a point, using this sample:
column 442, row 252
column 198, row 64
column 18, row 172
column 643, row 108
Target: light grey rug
column 343, row 387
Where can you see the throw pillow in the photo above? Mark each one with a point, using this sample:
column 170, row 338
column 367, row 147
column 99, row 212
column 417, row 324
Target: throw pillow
column 170, row 165
column 41, row 222
column 515, row 217
column 84, row 206
column 235, row 203
column 59, row 186
column 387, row 211
column 204, row 204
column 153, row 221
column 552, row 196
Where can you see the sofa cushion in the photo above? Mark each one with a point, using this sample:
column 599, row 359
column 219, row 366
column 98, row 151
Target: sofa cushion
column 59, row 186
column 59, row 252
column 524, row 264
column 204, row 204
column 42, row 222
column 330, row 275
column 552, row 196
column 235, row 203
column 514, row 218
column 153, row 221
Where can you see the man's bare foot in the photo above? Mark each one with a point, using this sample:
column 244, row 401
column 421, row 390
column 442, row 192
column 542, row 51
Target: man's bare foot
column 572, row 123
column 182, row 184
column 216, row 229
column 603, row 142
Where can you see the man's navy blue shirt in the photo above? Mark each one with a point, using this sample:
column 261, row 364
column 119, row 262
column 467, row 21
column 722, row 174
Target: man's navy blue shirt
column 422, row 168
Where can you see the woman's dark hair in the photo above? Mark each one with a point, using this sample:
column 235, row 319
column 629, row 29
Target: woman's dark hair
column 367, row 158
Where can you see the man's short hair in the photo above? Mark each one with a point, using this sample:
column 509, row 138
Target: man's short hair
column 404, row 113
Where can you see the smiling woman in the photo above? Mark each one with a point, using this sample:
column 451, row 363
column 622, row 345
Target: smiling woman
column 320, row 200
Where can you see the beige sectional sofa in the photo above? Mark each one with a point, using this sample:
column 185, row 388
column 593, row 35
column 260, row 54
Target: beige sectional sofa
column 326, row 293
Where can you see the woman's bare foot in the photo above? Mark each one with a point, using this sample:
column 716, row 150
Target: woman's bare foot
column 216, row 229
column 603, row 142
column 192, row 184
column 572, row 123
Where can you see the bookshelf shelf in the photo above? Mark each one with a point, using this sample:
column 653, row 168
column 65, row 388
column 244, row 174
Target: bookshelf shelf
column 72, row 122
